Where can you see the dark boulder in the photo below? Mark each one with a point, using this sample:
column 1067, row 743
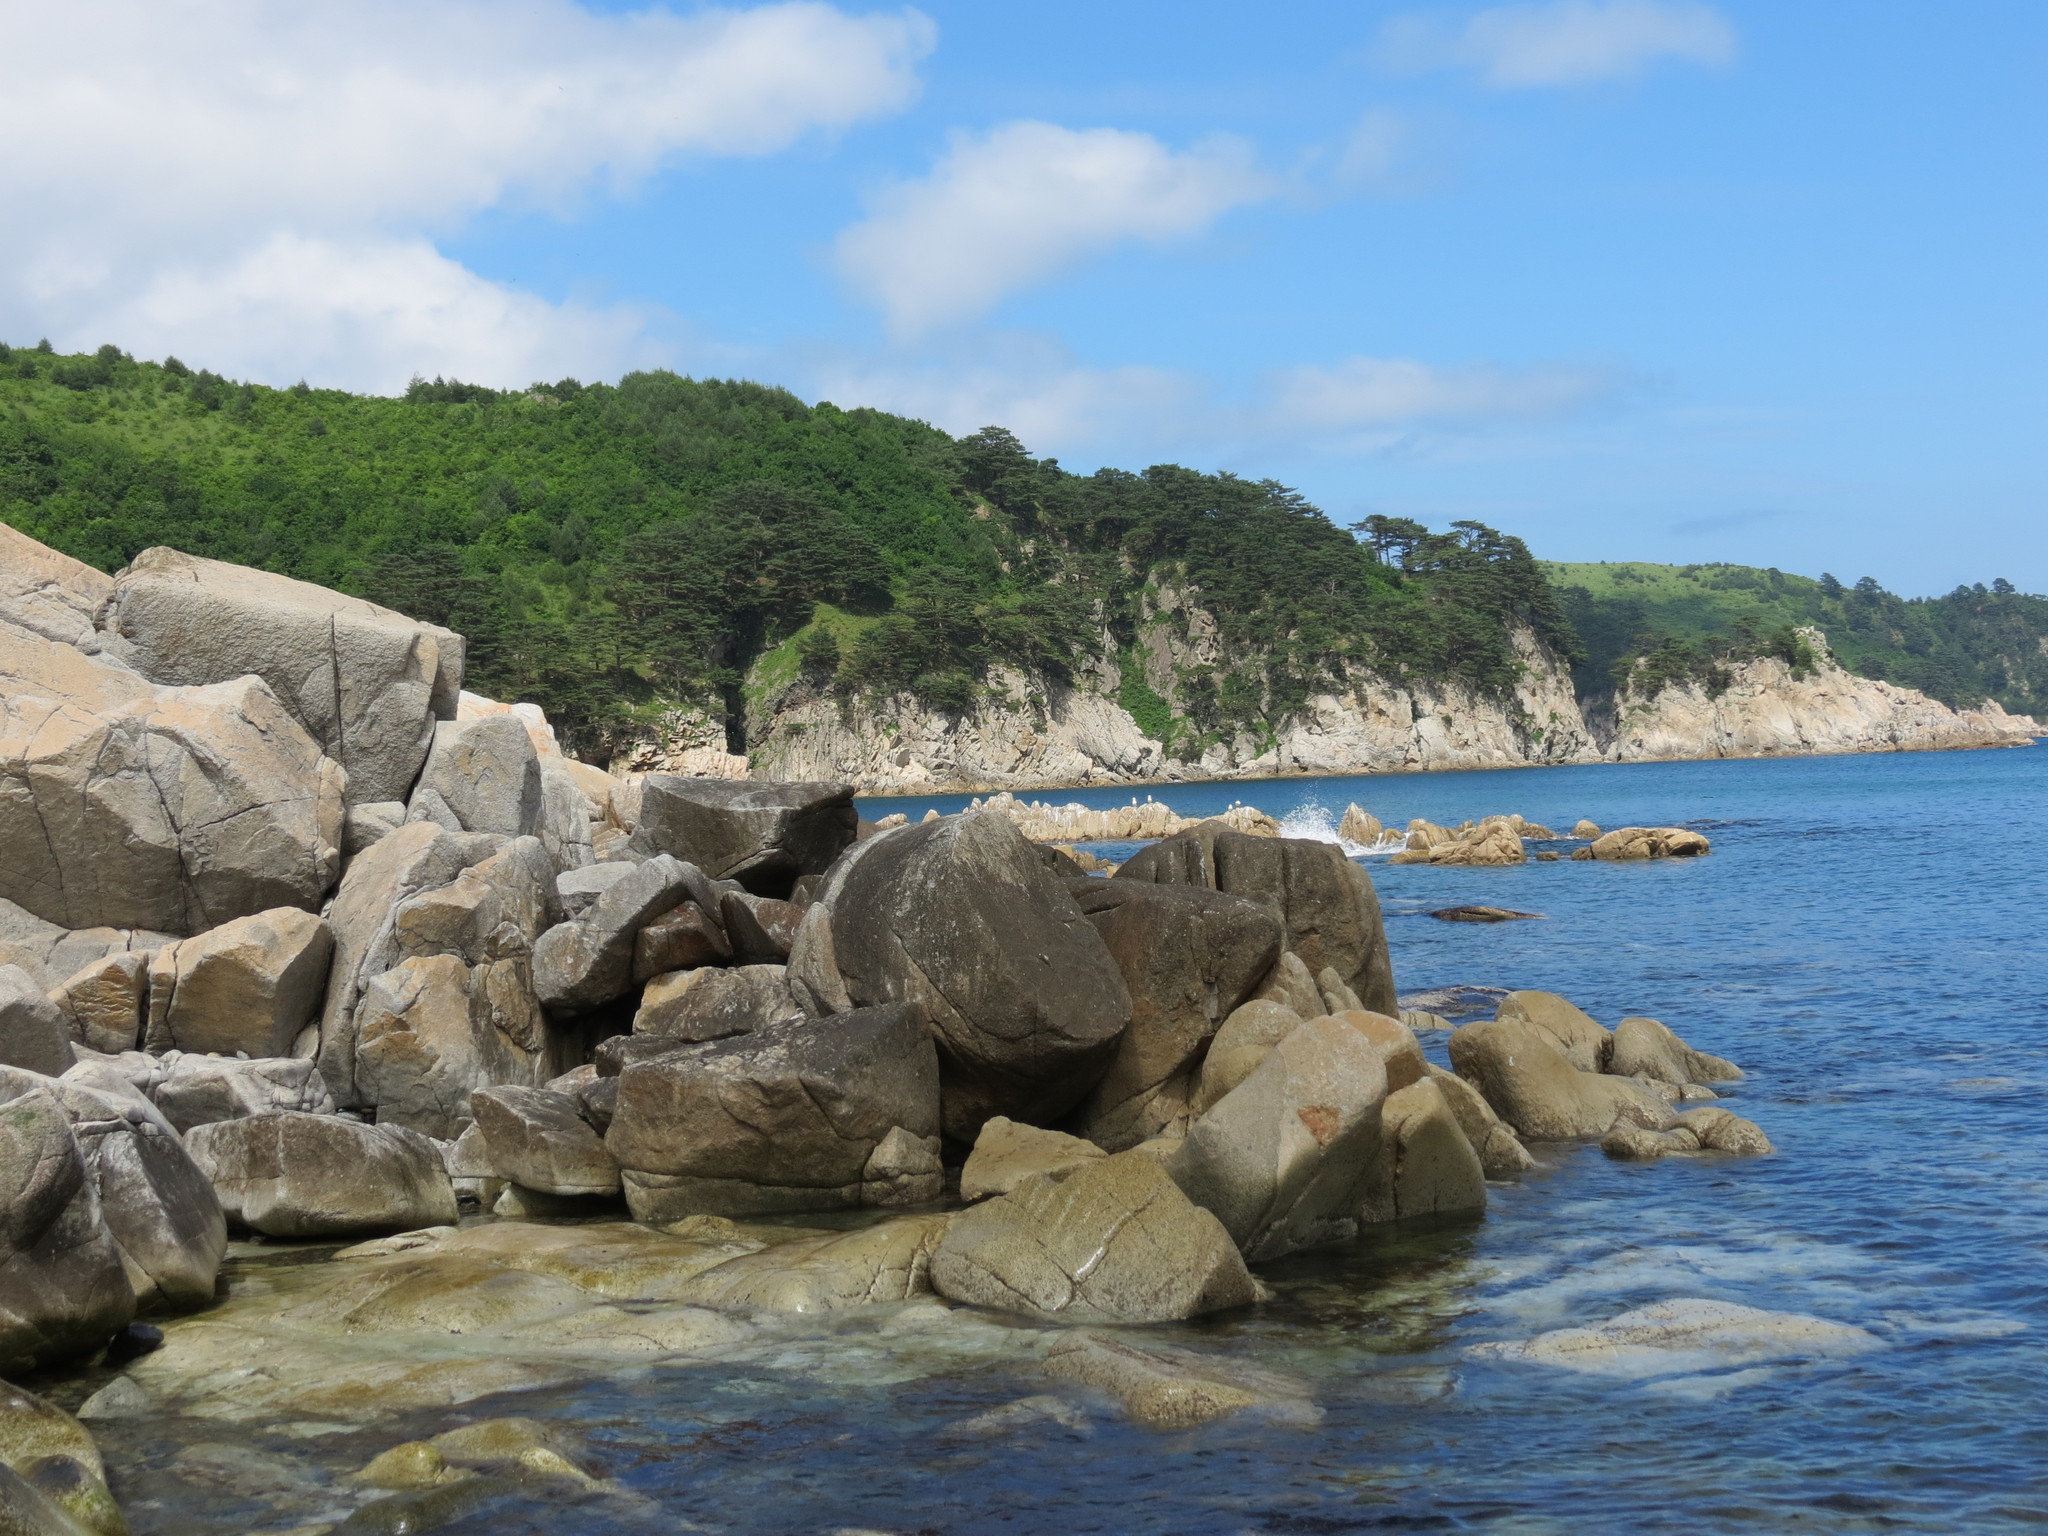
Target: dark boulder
column 679, row 940
column 763, row 835
column 588, row 961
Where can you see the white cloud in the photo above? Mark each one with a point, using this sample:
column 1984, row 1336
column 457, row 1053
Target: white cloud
column 1006, row 209
column 1564, row 42
column 164, row 159
column 1364, row 393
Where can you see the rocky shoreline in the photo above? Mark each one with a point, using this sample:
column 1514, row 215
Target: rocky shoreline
column 566, row 1075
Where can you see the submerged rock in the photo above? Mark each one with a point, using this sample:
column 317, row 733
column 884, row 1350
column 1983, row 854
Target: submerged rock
column 1166, row 1388
column 1484, row 915
column 1685, row 1335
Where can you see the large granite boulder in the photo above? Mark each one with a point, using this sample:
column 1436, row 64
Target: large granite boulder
column 588, row 961
column 33, row 1030
column 1647, row 1048
column 1534, row 1087
column 1584, row 1040
column 1626, row 844
column 1280, row 1158
column 63, row 1288
column 681, row 939
column 481, row 776
column 1325, row 901
column 536, row 1138
column 250, row 985
column 198, row 1090
column 1239, row 1045
column 805, row 1114
column 714, row 1004
column 1493, row 1141
column 1006, row 1154
column 177, row 809
column 1189, row 958
column 961, row 918
column 1113, row 1242
column 1426, row 1165
column 762, row 835
column 105, row 1002
column 49, row 594
column 367, row 683
column 569, row 819
column 292, row 1175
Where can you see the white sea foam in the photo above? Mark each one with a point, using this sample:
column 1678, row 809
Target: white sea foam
column 1312, row 822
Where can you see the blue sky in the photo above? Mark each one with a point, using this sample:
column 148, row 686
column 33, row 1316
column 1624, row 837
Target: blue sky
column 1635, row 279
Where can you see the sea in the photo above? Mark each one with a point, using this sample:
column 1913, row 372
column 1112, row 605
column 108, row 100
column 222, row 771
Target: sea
column 1867, row 940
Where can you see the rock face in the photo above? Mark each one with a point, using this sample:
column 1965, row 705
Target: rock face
column 480, row 776
column 960, row 918
column 292, row 1175
column 129, row 805
column 1189, row 958
column 367, row 683
column 1537, row 1090
column 1113, row 1242
column 762, row 835
column 49, row 594
column 105, row 1003
column 1326, row 903
column 32, row 1028
column 1280, row 1158
column 250, row 985
column 800, row 1115
column 1006, row 1154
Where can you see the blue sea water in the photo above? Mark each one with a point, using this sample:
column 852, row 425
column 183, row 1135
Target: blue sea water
column 1866, row 940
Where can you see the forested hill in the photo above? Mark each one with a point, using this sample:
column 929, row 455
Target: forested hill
column 614, row 550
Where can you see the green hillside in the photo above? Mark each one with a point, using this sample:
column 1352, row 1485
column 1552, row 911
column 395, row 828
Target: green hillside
column 1972, row 644
column 612, row 550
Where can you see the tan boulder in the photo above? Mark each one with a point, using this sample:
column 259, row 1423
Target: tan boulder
column 1646, row 1048
column 249, row 985
column 1113, row 1242
column 535, row 1138
column 432, row 1030
column 481, row 776
column 1533, row 1086
column 1007, row 1153
column 1426, row 1165
column 1584, row 1041
column 49, row 594
column 1585, row 829
column 1292, row 985
column 293, row 1175
column 1494, row 842
column 1239, row 1046
column 1493, row 1141
column 198, row 1090
column 1360, row 826
column 105, row 1003
column 1395, row 1045
column 1631, row 843
column 1166, row 1388
column 713, row 1003
column 1722, row 1130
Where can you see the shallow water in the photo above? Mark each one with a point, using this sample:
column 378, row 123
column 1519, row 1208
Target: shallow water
column 1865, row 940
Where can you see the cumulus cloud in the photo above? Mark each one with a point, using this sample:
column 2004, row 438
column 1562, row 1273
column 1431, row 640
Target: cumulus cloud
column 1375, row 392
column 1564, row 42
column 211, row 168
column 1003, row 210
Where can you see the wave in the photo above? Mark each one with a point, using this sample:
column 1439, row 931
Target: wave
column 1313, row 822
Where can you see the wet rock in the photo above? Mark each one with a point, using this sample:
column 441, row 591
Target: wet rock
column 1279, row 1157
column 367, row 683
column 680, row 940
column 1491, row 842
column 1631, row 843
column 1484, row 914
column 104, row 1004
column 1113, row 1242
column 1721, row 1130
column 1640, row 1143
column 118, row 1399
column 480, row 776
column 33, row 1427
column 1006, row 1153
column 588, row 961
column 294, row 1175
column 1026, row 1413
column 786, row 1118
column 33, row 1034
column 1188, row 958
column 763, row 835
column 1684, row 1335
column 1499, row 1150
column 961, row 919
column 1325, row 901
column 1240, row 1045
column 414, row 1464
column 174, row 809
column 889, row 1261
column 1537, row 1091
column 1426, row 1165
column 1583, row 1040
column 250, row 985
column 536, row 1138
column 712, row 1004
column 1166, row 1388
column 761, row 928
column 63, row 1288
column 1646, row 1048
column 51, row 1476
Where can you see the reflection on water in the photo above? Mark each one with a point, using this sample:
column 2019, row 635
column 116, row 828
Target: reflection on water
column 1865, row 940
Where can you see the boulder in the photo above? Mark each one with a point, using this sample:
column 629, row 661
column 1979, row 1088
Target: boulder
column 798, row 1115
column 568, row 818
column 366, row 823
column 1006, row 1153
column 961, row 919
column 366, row 943
column 63, row 1288
column 1426, row 1165
column 588, row 961
column 365, row 682
column 681, row 939
column 494, row 910
column 761, row 928
column 1280, row 1157
column 1166, row 1388
column 1360, row 826
column 480, row 776
column 1484, row 914
column 1639, row 1143
column 1292, row 987
column 1721, row 1130
column 762, row 835
column 1325, row 901
column 1585, row 829
column 198, row 1090
column 52, row 954
column 1646, row 1048
column 536, row 1137
column 104, row 1004
column 1395, row 1045
column 432, row 1030
column 889, row 1261
column 250, row 985
column 1493, row 1142
column 1240, row 1045
column 294, row 1175
column 1584, row 1041
column 175, row 809
column 1188, row 957
column 1491, row 842
column 51, row 595
column 712, row 1004
column 1536, row 1090
column 52, row 1481
column 578, row 888
column 33, row 1031
column 1113, row 1242
column 1336, row 997
column 1630, row 843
